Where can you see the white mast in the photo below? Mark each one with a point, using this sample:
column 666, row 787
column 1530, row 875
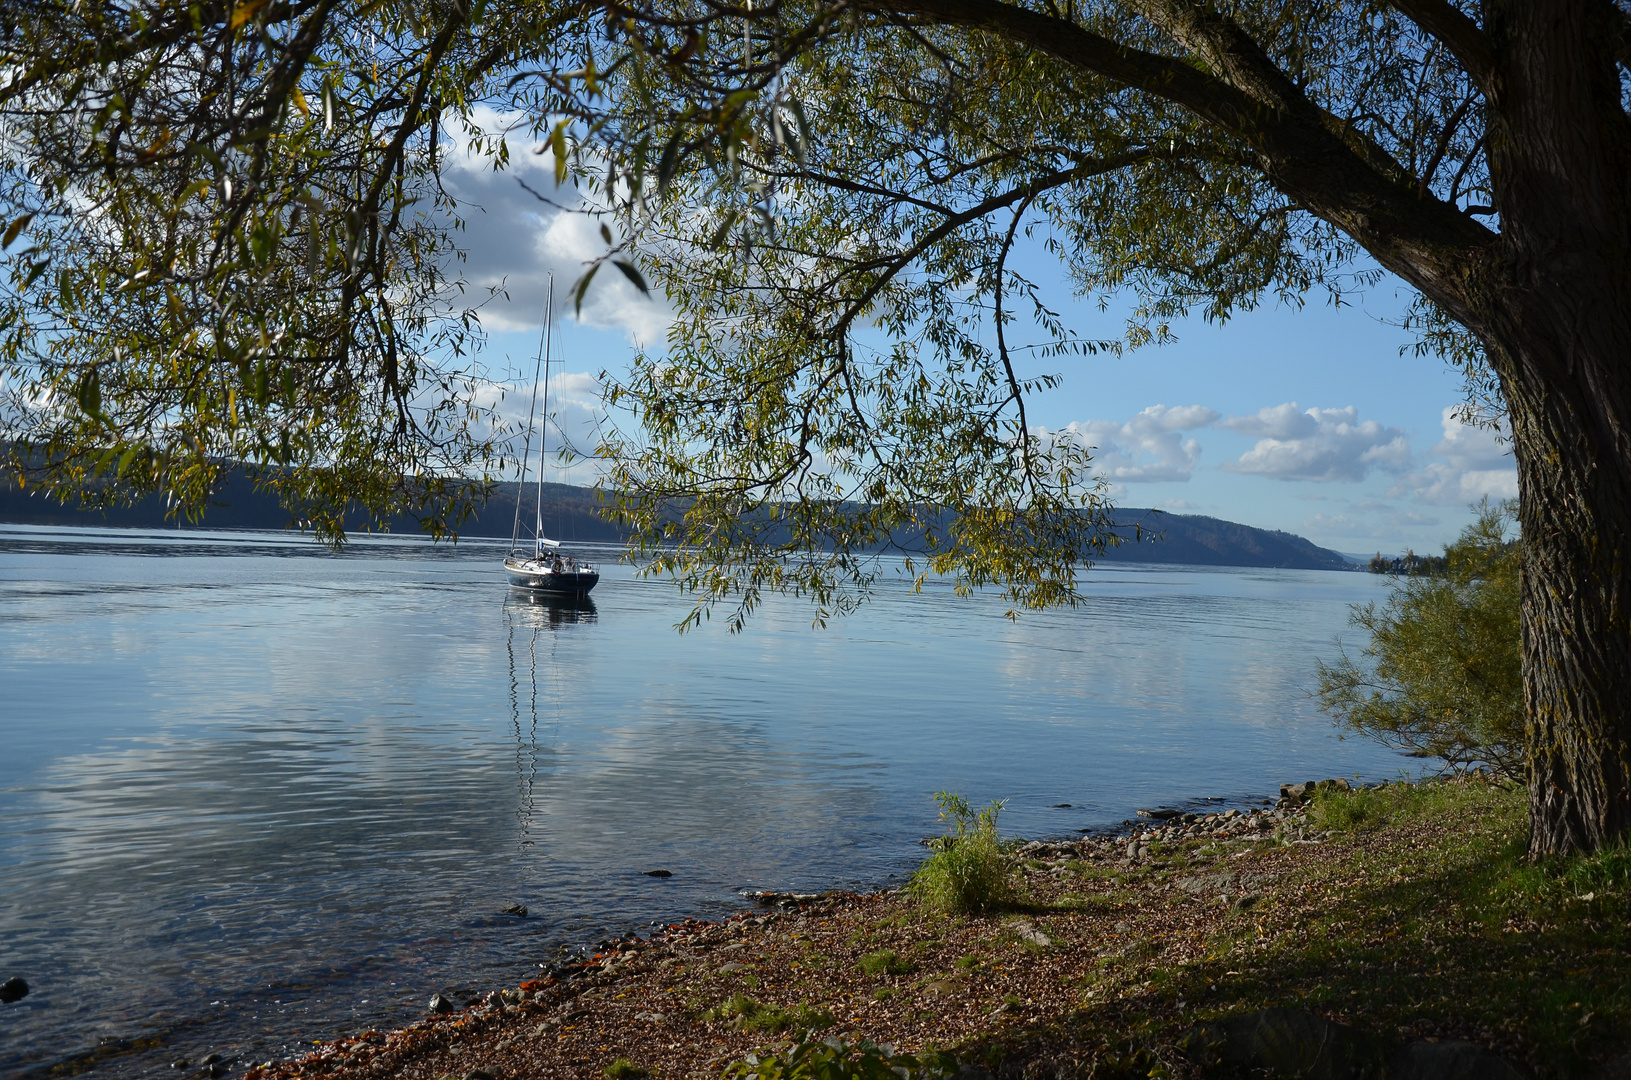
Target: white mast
column 532, row 411
column 543, row 432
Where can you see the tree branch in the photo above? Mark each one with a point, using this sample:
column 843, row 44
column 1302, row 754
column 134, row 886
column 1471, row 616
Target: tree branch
column 1446, row 23
column 1293, row 143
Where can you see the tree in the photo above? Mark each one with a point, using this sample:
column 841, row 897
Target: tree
column 228, row 246
column 1443, row 677
column 795, row 172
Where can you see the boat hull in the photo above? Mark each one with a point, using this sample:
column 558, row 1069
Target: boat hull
column 543, row 580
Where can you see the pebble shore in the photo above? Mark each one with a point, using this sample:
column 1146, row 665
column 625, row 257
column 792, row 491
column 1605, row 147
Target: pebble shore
column 510, row 1023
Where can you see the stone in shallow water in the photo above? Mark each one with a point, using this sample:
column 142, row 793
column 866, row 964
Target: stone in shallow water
column 13, row 989
column 440, row 1003
column 518, row 910
column 659, row 873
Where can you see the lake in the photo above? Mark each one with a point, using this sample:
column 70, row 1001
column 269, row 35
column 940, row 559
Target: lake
column 255, row 793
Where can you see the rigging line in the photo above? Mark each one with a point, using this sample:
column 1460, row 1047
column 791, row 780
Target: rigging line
column 526, row 446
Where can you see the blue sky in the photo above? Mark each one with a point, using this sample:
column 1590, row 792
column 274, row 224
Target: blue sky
column 1309, row 420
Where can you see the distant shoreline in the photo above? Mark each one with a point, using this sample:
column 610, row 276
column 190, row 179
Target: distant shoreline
column 1151, row 537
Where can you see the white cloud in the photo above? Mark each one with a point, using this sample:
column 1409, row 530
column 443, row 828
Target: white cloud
column 1178, row 506
column 514, row 241
column 1479, row 464
column 575, row 422
column 1317, row 444
column 1374, row 526
column 1148, row 448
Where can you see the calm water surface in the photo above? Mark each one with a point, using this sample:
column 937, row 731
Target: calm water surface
column 253, row 793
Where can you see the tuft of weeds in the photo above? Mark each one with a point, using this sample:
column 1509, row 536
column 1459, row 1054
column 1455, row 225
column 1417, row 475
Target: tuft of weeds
column 884, row 962
column 624, row 1069
column 830, row 1058
column 746, row 1014
column 969, row 873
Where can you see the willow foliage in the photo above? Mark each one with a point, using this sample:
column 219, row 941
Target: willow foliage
column 831, row 197
column 228, row 245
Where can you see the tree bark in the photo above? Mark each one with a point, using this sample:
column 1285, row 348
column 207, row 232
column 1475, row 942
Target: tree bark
column 1554, row 303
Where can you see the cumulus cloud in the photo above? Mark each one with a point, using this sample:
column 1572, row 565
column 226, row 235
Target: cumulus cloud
column 1478, row 464
column 1316, row 444
column 513, row 241
column 1148, row 448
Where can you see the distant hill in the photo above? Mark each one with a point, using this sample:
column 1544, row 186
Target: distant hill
column 1194, row 540
column 571, row 513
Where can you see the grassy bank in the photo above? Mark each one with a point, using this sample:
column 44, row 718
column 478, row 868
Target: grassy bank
column 1413, row 917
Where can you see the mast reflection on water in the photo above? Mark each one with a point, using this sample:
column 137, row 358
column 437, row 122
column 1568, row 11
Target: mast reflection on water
column 532, row 615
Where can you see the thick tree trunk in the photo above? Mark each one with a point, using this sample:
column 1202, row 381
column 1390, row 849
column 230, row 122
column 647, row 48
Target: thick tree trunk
column 1574, row 475
column 1556, row 306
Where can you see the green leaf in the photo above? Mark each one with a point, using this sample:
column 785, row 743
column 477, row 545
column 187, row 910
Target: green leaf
column 583, row 287
column 717, row 240
column 801, row 143
column 14, row 229
column 632, row 274
column 89, row 393
column 669, row 161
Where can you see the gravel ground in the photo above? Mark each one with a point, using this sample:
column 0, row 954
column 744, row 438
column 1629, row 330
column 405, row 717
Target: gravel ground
column 1007, row 989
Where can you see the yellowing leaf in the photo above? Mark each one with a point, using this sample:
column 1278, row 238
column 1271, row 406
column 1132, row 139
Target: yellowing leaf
column 14, row 229
column 557, row 143
column 243, row 13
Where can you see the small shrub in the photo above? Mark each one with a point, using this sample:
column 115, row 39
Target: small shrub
column 830, row 1059
column 624, row 1069
column 969, row 873
column 1441, row 675
column 967, row 963
column 884, row 962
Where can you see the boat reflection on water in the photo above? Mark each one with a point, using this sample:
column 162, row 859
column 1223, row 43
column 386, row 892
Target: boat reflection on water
column 526, row 617
column 543, row 611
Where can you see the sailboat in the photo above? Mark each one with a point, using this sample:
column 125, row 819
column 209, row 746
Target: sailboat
column 546, row 570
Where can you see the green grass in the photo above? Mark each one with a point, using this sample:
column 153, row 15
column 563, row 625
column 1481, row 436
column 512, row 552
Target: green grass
column 884, row 962
column 624, row 1069
column 747, row 1014
column 1440, row 918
